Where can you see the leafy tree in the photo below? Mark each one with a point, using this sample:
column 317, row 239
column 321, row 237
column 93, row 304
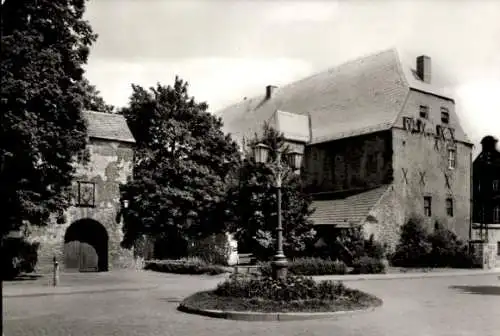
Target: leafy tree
column 252, row 204
column 183, row 160
column 45, row 44
column 18, row 256
column 93, row 100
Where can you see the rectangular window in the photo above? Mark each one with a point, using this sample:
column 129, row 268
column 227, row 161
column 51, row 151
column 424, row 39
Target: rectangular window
column 452, row 158
column 427, row 206
column 86, row 194
column 449, row 207
column 496, row 185
column 424, row 111
column 496, row 214
column 498, row 248
column 445, row 115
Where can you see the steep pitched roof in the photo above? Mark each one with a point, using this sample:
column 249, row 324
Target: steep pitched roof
column 358, row 97
column 108, row 126
column 344, row 210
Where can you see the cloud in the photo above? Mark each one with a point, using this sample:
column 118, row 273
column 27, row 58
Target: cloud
column 219, row 81
column 301, row 11
column 231, row 49
column 478, row 105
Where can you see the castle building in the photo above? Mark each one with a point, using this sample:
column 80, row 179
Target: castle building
column 381, row 143
column 87, row 236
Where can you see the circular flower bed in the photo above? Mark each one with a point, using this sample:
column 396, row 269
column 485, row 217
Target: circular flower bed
column 293, row 294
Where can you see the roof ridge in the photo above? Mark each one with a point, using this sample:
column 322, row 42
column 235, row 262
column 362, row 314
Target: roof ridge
column 315, row 74
column 336, row 67
column 106, row 113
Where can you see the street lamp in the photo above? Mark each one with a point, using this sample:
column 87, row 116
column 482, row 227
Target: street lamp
column 293, row 162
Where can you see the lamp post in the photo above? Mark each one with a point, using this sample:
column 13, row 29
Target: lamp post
column 279, row 169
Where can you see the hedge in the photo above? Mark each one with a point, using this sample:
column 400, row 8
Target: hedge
column 309, row 267
column 184, row 266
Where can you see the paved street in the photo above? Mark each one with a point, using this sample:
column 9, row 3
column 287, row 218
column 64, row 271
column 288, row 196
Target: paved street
column 451, row 306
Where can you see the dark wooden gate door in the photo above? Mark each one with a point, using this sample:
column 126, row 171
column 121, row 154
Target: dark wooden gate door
column 81, row 257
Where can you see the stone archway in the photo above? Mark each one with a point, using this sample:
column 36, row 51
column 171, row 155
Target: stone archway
column 86, row 247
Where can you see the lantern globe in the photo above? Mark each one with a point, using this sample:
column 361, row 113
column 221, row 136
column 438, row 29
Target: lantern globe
column 295, row 159
column 261, row 153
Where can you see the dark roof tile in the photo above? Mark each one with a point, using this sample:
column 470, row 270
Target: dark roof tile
column 345, row 210
column 362, row 96
column 108, row 126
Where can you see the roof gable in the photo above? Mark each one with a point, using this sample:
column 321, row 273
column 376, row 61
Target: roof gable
column 359, row 97
column 109, row 126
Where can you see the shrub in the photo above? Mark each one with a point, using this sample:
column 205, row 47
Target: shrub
column 445, row 247
column 368, row 265
column 351, row 244
column 309, row 266
column 374, row 249
column 414, row 247
column 465, row 258
column 441, row 248
column 289, row 289
column 292, row 294
column 214, row 249
column 18, row 256
column 184, row 266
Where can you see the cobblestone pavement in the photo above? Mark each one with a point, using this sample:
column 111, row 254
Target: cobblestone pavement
column 443, row 306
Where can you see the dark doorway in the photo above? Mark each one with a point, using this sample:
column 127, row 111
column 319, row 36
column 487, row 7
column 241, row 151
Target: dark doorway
column 86, row 247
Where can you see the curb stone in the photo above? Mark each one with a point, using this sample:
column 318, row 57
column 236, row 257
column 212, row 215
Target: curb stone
column 257, row 316
column 74, row 292
column 397, row 276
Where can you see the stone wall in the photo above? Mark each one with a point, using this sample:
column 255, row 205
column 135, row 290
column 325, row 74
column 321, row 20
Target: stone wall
column 421, row 165
column 385, row 219
column 109, row 166
column 487, row 252
column 492, row 237
column 351, row 163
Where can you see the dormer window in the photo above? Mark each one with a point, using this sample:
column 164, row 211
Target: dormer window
column 424, row 111
column 445, row 115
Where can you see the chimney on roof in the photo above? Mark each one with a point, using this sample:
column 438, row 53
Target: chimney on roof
column 269, row 91
column 424, row 68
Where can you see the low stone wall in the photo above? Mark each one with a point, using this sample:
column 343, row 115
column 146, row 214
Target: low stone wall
column 487, row 252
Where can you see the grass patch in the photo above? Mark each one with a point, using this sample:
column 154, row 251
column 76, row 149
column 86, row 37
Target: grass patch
column 295, row 294
column 193, row 266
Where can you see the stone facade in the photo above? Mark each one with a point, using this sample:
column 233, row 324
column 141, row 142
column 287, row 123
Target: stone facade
column 354, row 163
column 385, row 219
column 413, row 158
column 422, row 166
column 98, row 216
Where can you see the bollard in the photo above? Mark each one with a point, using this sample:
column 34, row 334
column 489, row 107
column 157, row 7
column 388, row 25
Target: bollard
column 55, row 279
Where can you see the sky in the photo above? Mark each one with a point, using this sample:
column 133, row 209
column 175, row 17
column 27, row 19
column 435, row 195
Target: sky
column 231, row 49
